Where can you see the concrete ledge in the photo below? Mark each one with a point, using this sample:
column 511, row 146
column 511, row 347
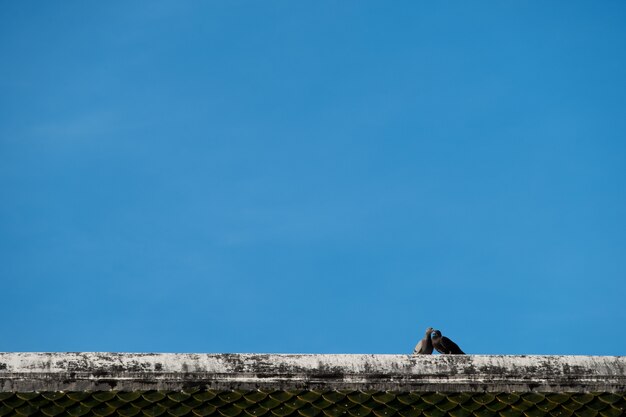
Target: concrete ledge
column 24, row 372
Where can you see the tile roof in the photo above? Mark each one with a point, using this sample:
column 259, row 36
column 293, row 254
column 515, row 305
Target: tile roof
column 111, row 384
column 310, row 403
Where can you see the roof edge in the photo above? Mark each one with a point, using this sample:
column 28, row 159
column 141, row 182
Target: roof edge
column 96, row 371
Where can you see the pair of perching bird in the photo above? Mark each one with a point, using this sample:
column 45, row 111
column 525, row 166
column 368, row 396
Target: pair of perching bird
column 434, row 339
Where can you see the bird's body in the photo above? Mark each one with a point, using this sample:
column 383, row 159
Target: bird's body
column 424, row 346
column 444, row 345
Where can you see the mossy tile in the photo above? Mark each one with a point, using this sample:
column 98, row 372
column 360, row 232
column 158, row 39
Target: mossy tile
column 78, row 395
column 373, row 404
column 409, row 398
column 103, row 396
column 334, row 411
column 129, row 396
column 586, row 412
column 485, row 412
column 296, row 403
column 507, row 398
column 346, row 404
column 27, row 395
column 281, row 396
column 244, row 403
column 621, row 404
column 359, row 397
column 103, row 410
column 256, row 411
column 154, row 410
column 333, row 396
column 510, row 412
column 523, row 405
column 41, row 402
column 459, row 398
column 558, row 397
column 78, row 410
column 54, row 410
column 178, row 411
column 309, row 396
column 192, row 403
column 282, row 410
column 5, row 410
column 229, row 410
column 27, row 410
column 597, row 404
column 191, row 390
column 322, row 403
column 547, row 405
column 90, row 402
column 359, row 411
column 141, row 402
column 583, row 398
column 397, row 405
column 64, row 401
column 153, row 396
column 205, row 410
column 14, row 402
column 433, row 397
column 178, row 396
column 410, row 412
column 5, row 395
column 561, row 412
column 229, row 396
column 128, row 410
column 269, row 403
column 421, row 405
column 204, row 396
column 534, row 412
column 483, row 398
column 609, row 397
column 611, row 412
column 255, row 396
column 167, row 403
column 533, row 397
column 572, row 405
column 446, row 405
column 471, row 405
column 460, row 412
column 383, row 412
column 309, row 411
column 434, row 412
column 217, row 402
column 383, row 397
column 34, row 397
column 115, row 403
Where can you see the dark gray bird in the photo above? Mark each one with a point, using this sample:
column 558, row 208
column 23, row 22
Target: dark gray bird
column 445, row 345
column 424, row 346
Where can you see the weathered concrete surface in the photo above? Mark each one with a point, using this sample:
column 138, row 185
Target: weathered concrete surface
column 446, row 373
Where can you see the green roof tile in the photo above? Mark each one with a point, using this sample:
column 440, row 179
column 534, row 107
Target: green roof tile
column 255, row 403
column 460, row 412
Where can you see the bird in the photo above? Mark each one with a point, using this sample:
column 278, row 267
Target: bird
column 444, row 345
column 424, row 346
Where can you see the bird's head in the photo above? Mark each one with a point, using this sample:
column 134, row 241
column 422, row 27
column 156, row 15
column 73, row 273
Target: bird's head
column 435, row 334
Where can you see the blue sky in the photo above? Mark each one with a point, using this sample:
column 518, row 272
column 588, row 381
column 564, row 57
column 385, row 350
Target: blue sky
column 315, row 177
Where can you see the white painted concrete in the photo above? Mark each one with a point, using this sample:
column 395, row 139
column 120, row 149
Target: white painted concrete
column 471, row 373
